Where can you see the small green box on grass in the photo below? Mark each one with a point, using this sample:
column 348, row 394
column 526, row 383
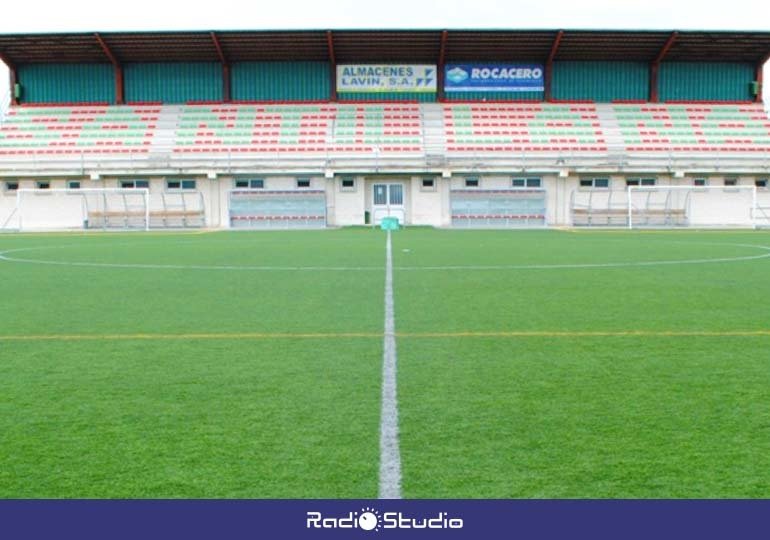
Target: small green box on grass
column 389, row 224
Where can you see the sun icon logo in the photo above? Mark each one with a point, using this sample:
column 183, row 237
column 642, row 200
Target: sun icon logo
column 369, row 520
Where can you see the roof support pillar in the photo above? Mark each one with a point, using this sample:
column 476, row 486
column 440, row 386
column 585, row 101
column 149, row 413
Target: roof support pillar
column 758, row 76
column 119, row 86
column 655, row 67
column 548, row 75
column 227, row 93
column 226, row 88
column 440, row 66
column 332, row 66
column 14, row 77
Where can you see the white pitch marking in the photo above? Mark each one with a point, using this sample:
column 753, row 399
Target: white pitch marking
column 194, row 266
column 390, row 455
column 575, row 266
column 590, row 265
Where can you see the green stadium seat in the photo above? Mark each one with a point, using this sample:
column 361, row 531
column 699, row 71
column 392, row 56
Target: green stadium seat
column 96, row 129
column 297, row 128
column 523, row 127
column 694, row 127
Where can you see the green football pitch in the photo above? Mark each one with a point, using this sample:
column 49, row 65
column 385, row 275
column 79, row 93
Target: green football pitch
column 249, row 365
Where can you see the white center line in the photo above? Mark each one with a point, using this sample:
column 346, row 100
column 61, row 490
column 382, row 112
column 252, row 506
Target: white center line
column 390, row 456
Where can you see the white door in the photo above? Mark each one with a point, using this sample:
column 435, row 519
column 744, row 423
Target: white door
column 388, row 201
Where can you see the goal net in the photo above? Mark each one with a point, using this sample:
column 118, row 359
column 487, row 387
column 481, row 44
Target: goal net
column 692, row 206
column 68, row 209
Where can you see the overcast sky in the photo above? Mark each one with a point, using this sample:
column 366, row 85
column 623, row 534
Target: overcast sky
column 70, row 15
column 82, row 15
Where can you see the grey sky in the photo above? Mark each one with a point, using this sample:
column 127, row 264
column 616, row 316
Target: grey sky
column 81, row 15
column 226, row 14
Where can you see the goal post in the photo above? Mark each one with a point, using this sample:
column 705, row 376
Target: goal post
column 82, row 208
column 692, row 206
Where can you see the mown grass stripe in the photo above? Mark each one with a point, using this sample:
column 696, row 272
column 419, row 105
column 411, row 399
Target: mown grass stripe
column 380, row 335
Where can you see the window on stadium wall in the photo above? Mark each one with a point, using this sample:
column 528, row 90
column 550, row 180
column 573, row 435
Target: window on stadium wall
column 249, row 183
column 180, row 184
column 134, row 184
column 529, row 182
column 595, row 183
column 640, row 181
column 347, row 184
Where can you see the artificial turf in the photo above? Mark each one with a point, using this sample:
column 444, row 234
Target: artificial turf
column 531, row 364
column 669, row 400
column 215, row 407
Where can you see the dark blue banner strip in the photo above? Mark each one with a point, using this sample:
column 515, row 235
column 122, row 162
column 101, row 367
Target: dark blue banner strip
column 299, row 519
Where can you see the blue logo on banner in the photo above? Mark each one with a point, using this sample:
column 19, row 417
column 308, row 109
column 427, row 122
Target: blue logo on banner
column 494, row 78
column 456, row 75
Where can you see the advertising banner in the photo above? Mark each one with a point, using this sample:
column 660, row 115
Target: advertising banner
column 494, row 78
column 360, row 78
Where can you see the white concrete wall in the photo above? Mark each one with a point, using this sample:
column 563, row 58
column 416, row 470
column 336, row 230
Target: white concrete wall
column 423, row 206
column 348, row 203
column 429, row 206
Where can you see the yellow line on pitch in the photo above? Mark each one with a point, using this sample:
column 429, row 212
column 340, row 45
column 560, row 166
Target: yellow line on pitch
column 379, row 335
column 598, row 333
column 192, row 337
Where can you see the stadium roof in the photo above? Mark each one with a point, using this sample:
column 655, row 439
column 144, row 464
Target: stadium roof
column 428, row 46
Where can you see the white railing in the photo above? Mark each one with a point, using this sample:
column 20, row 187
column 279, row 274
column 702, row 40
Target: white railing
column 164, row 159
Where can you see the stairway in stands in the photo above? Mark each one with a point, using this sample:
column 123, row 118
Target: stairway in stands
column 165, row 132
column 611, row 129
column 433, row 133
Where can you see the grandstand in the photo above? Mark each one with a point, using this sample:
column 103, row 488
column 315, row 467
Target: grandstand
column 504, row 128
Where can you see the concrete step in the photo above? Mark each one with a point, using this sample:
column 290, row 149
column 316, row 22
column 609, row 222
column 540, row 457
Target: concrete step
column 165, row 131
column 610, row 127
